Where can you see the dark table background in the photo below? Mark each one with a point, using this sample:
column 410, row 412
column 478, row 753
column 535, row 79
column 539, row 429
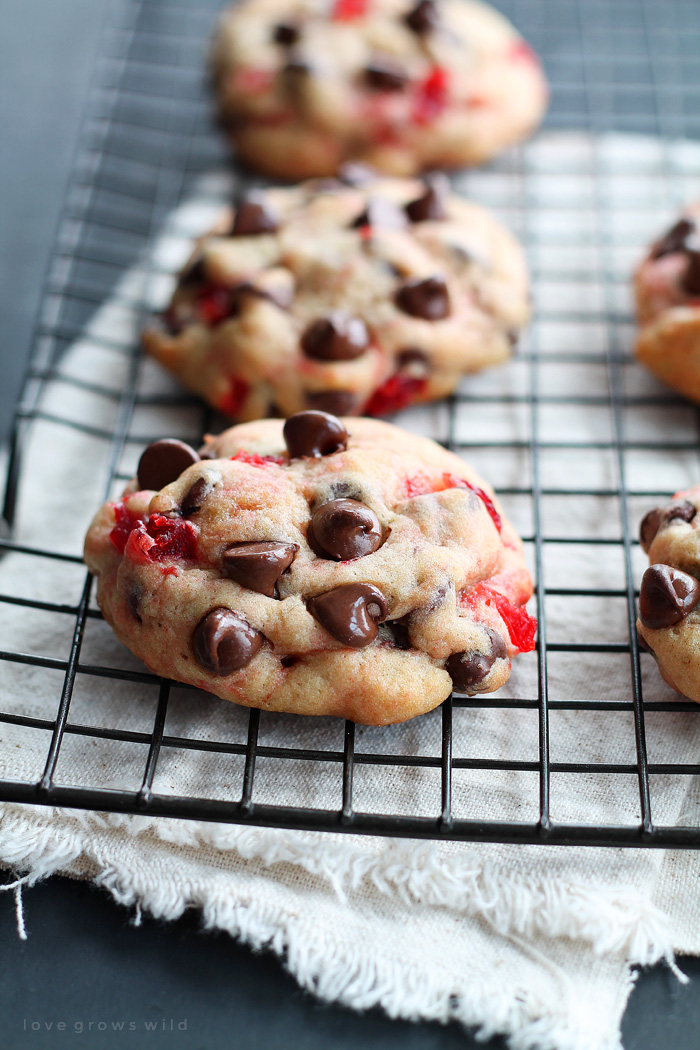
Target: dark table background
column 84, row 960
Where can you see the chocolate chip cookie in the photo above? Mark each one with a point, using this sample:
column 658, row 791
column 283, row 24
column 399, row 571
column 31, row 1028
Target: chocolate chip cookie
column 361, row 295
column 403, row 85
column 667, row 286
column 669, row 617
column 323, row 566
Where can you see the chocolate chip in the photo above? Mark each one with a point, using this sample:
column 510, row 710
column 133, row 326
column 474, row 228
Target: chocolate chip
column 254, row 215
column 431, row 203
column 382, row 74
column 381, row 213
column 258, row 566
column 428, row 299
column 163, row 462
column 193, row 274
column 354, row 174
column 285, row 33
column 683, row 237
column 344, row 529
column 351, row 612
column 337, row 402
column 223, row 642
column 399, row 631
column 423, row 17
column 499, row 649
column 193, row 499
column 660, row 517
column 469, row 668
column 133, row 600
column 666, row 596
column 314, row 434
column 413, row 360
column 338, row 337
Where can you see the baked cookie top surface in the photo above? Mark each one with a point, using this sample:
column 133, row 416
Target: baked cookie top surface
column 403, row 85
column 362, row 295
column 338, row 567
column 669, row 616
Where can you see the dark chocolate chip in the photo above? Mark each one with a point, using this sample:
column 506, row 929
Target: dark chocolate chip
column 163, row 462
column 413, row 360
column 399, row 631
column 344, row 529
column 223, row 642
column 133, row 601
column 499, row 649
column 314, row 434
column 666, row 596
column 683, row 237
column 254, row 215
column 513, row 336
column 660, row 517
column 337, row 402
column 675, row 239
column 286, row 34
column 468, row 669
column 258, row 566
column 193, row 274
column 381, row 213
column 428, row 299
column 338, row 337
column 354, row 174
column 382, row 74
column 423, row 17
column 431, row 203
column 351, row 613
column 193, row 499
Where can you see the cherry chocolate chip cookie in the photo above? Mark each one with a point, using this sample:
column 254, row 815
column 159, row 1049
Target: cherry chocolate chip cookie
column 667, row 286
column 669, row 616
column 403, row 85
column 323, row 566
column 361, row 295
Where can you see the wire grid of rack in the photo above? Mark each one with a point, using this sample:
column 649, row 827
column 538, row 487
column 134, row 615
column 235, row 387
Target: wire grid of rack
column 614, row 66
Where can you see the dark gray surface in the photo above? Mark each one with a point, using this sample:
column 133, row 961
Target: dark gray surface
column 83, row 961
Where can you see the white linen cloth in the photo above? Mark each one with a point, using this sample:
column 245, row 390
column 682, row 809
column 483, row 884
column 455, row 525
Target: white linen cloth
column 536, row 943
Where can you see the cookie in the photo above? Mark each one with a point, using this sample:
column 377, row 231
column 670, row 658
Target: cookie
column 323, row 566
column 667, row 287
column 669, row 613
column 402, row 85
column 356, row 296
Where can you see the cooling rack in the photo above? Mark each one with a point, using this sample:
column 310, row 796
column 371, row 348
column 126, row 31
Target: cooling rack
column 624, row 105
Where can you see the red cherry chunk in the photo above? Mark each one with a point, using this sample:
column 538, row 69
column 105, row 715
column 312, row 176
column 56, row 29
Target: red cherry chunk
column 397, row 392
column 432, row 96
column 161, row 539
column 254, row 460
column 125, row 522
column 215, row 304
column 349, row 10
column 521, row 626
column 232, row 402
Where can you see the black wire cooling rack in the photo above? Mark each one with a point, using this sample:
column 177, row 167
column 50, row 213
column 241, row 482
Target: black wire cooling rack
column 614, row 66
